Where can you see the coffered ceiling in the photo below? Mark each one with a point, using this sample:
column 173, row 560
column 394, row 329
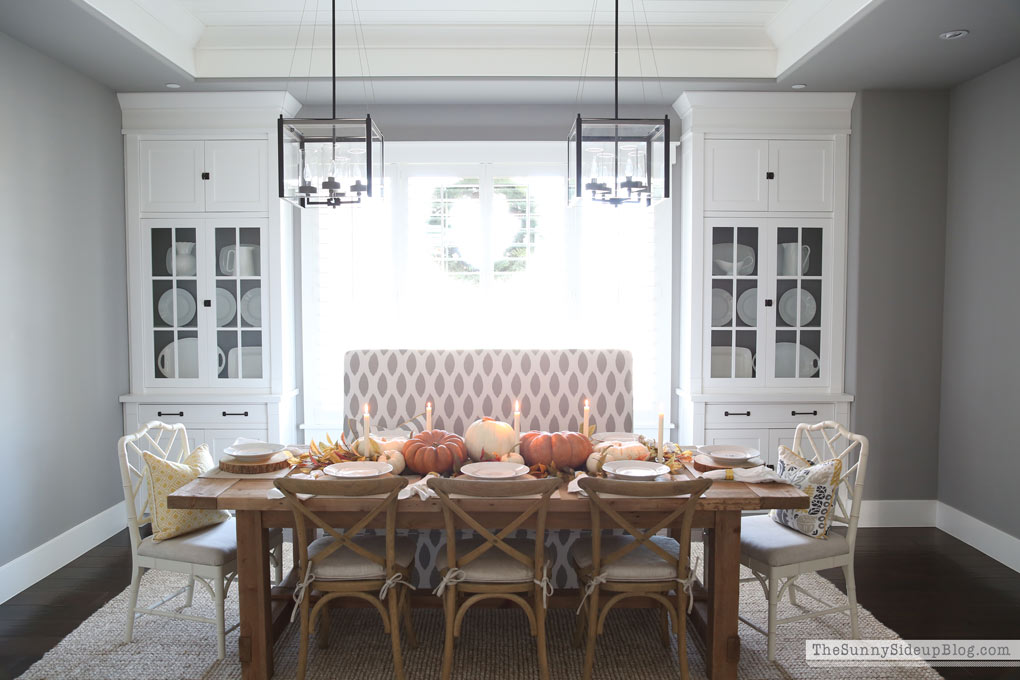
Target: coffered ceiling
column 528, row 51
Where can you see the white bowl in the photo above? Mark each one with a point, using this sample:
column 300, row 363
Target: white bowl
column 729, row 453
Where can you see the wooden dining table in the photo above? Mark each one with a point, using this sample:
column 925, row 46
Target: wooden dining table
column 265, row 609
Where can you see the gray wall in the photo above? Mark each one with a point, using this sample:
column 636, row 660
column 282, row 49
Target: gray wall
column 63, row 297
column 979, row 462
column 897, row 253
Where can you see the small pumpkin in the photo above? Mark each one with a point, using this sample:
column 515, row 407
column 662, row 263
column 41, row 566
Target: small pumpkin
column 379, row 445
column 512, row 457
column 434, row 451
column 563, row 449
column 394, row 458
column 489, row 435
column 610, row 451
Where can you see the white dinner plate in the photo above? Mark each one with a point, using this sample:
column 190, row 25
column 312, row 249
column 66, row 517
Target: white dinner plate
column 635, row 469
column 226, row 306
column 186, row 307
column 788, row 307
column 786, row 361
column 747, row 306
column 187, row 359
column 729, row 453
column 722, row 255
column 494, row 470
column 253, row 452
column 361, row 469
column 251, row 306
column 722, row 307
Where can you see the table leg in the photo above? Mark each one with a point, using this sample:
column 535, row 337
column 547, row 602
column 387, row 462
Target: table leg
column 723, row 571
column 255, row 644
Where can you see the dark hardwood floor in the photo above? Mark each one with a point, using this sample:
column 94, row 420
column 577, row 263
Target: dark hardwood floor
column 922, row 583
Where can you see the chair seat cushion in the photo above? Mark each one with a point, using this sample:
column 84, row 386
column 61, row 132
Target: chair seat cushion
column 214, row 545
column 776, row 545
column 494, row 565
column 640, row 564
column 346, row 565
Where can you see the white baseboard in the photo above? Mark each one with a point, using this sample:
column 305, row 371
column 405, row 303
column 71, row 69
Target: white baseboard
column 919, row 513
column 35, row 565
column 993, row 542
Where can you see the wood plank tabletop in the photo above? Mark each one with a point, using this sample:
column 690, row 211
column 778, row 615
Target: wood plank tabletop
column 251, row 494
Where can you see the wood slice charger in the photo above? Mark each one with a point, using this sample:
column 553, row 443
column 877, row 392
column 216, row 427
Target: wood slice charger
column 705, row 463
column 279, row 461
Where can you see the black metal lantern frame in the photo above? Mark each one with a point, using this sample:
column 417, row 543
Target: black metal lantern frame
column 618, row 160
column 329, row 161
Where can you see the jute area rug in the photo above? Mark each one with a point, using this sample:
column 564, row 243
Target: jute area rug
column 494, row 644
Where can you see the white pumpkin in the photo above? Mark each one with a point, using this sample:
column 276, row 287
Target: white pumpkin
column 489, row 436
column 512, row 457
column 380, row 445
column 394, row 458
column 606, row 452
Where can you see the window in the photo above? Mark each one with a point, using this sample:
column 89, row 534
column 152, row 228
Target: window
column 482, row 251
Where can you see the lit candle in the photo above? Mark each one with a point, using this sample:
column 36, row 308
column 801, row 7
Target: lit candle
column 428, row 415
column 587, row 413
column 517, row 419
column 368, row 430
column 659, row 442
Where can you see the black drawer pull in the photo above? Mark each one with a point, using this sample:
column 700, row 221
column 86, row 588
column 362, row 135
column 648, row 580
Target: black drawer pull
column 745, row 413
column 160, row 414
column 803, row 413
column 225, row 414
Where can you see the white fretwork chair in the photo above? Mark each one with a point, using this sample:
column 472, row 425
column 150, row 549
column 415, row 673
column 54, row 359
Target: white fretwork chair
column 777, row 555
column 208, row 555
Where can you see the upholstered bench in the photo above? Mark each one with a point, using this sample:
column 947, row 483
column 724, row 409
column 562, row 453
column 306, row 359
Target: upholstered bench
column 464, row 385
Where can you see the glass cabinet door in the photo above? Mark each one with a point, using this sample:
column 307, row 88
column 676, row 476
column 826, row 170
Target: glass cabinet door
column 238, row 301
column 174, row 252
column 798, row 342
column 735, row 270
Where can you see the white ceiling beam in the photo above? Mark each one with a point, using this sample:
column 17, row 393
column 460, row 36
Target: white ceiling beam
column 165, row 26
column 805, row 25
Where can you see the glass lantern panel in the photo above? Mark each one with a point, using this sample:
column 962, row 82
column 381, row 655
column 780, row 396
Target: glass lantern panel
column 621, row 161
column 330, row 160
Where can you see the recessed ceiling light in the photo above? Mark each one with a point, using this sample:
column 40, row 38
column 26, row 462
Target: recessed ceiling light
column 799, row 86
column 173, row 86
column 955, row 35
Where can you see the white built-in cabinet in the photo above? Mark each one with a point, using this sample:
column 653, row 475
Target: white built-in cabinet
column 210, row 261
column 762, row 265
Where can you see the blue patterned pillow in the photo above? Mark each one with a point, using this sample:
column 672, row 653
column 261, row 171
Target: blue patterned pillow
column 820, row 482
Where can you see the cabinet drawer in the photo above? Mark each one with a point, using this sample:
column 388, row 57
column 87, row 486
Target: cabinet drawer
column 209, row 415
column 782, row 415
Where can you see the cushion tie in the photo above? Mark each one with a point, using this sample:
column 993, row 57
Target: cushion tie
column 688, row 584
column 392, row 581
column 591, row 586
column 546, row 585
column 300, row 589
column 451, row 577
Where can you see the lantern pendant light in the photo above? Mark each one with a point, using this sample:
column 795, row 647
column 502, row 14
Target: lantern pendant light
column 618, row 161
column 329, row 161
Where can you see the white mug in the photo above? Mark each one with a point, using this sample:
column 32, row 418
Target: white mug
column 793, row 260
column 243, row 260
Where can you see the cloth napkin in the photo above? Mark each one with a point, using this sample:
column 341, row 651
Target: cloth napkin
column 420, row 487
column 573, row 486
column 755, row 475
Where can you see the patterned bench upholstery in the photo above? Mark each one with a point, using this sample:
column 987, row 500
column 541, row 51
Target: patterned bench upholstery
column 464, row 385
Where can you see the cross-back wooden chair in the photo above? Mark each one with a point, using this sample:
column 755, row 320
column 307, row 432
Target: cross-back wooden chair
column 777, row 554
column 493, row 564
column 639, row 563
column 342, row 564
column 207, row 556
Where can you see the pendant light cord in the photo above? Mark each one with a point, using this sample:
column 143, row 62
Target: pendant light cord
column 334, row 58
column 616, row 62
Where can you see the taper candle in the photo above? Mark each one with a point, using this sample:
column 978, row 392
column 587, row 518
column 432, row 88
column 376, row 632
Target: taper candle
column 587, row 413
column 658, row 442
column 517, row 419
column 428, row 415
column 368, row 431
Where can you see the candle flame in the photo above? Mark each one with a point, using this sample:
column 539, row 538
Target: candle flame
column 366, row 409
column 517, row 405
column 428, row 404
column 586, row 403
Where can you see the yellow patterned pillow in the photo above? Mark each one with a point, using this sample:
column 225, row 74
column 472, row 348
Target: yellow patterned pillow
column 820, row 482
column 165, row 477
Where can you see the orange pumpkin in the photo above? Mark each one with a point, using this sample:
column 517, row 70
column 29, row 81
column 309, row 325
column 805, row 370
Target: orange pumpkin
column 564, row 449
column 434, row 451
